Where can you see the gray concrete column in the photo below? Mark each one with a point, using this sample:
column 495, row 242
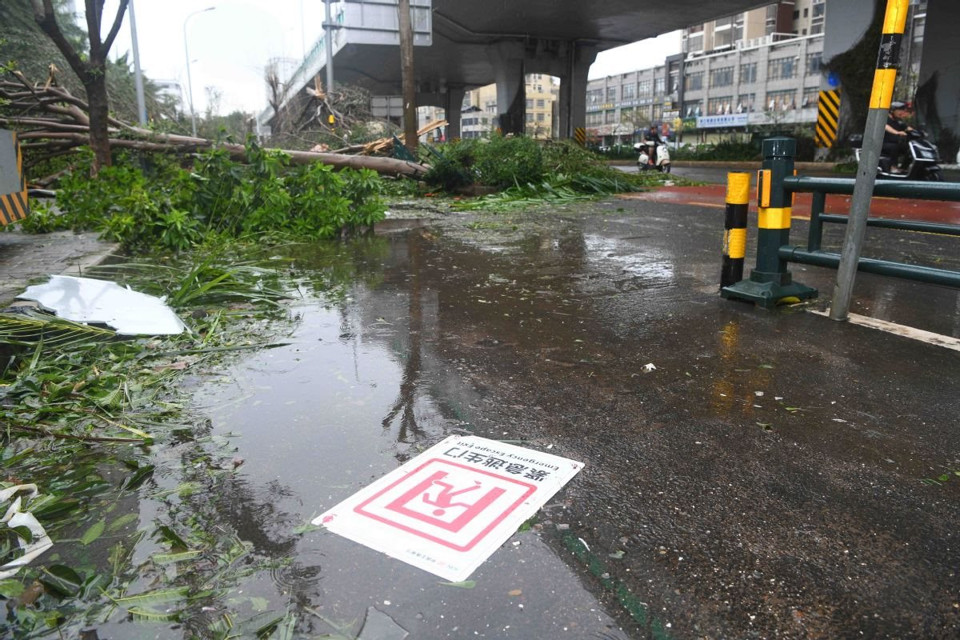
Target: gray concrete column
column 508, row 61
column 453, row 103
column 938, row 92
column 573, row 87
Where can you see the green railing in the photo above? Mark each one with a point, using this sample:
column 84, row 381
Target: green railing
column 771, row 282
column 821, row 187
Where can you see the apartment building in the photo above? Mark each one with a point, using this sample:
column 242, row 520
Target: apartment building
column 480, row 109
column 757, row 68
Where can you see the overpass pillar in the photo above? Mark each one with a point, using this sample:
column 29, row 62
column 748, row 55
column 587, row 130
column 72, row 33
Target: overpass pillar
column 573, row 87
column 938, row 92
column 452, row 104
column 507, row 58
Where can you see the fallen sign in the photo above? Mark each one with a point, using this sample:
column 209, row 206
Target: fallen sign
column 447, row 510
column 103, row 302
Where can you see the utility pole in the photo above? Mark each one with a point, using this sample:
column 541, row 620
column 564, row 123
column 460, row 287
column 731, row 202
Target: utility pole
column 137, row 75
column 406, row 71
column 328, row 28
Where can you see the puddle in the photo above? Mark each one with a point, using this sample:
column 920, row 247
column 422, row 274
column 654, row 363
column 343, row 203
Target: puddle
column 362, row 385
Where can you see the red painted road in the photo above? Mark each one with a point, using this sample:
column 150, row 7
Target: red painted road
column 893, row 208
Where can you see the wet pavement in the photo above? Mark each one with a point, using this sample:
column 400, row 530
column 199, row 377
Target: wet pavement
column 749, row 473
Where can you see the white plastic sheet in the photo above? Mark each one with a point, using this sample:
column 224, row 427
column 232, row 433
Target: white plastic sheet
column 104, row 302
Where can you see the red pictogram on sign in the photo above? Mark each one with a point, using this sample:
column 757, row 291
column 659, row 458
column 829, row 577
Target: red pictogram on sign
column 449, row 503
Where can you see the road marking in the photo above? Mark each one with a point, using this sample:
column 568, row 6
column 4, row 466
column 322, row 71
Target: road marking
column 929, row 337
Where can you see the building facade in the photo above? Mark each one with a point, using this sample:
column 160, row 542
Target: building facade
column 758, row 68
column 479, row 118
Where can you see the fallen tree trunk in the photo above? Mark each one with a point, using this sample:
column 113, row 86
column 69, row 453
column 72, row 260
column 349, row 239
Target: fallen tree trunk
column 53, row 122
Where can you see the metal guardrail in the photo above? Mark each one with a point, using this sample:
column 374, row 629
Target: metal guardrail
column 771, row 281
column 821, row 187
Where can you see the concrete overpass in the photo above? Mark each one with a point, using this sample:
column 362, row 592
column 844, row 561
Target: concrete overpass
column 464, row 44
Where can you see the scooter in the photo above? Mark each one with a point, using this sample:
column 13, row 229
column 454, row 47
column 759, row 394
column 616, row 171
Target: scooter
column 923, row 156
column 663, row 158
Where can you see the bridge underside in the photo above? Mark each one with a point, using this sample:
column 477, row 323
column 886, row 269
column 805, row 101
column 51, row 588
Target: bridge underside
column 498, row 41
column 465, row 33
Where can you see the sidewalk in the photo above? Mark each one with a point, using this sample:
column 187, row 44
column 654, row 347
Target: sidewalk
column 26, row 258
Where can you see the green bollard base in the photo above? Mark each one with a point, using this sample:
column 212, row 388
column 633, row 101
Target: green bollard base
column 767, row 294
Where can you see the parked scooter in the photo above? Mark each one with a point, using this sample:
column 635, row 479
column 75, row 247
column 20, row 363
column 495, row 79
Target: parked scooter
column 923, row 157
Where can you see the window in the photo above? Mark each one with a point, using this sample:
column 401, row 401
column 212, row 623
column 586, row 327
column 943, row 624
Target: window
column 810, row 97
column 611, row 94
column 748, row 73
column 720, row 105
column 541, row 117
column 629, row 91
column 658, row 86
column 813, row 63
column 529, row 104
column 609, row 117
column 745, row 102
column 541, row 103
column 691, row 109
column 781, row 68
column 529, row 117
column 693, row 82
column 722, row 77
column 644, row 87
column 781, row 100
column 594, row 119
column 695, row 43
column 643, row 113
column 657, row 112
column 594, row 97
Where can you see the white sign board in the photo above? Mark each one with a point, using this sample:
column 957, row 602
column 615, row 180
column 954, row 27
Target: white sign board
column 728, row 120
column 451, row 507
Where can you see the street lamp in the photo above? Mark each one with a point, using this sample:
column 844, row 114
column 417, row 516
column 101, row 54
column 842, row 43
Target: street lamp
column 186, row 50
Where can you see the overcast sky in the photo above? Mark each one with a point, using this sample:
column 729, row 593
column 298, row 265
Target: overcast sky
column 230, row 45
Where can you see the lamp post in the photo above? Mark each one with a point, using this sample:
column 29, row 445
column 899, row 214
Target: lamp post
column 186, row 50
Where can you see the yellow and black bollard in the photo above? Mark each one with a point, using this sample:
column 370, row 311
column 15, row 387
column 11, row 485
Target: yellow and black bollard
column 771, row 282
column 13, row 186
column 735, row 228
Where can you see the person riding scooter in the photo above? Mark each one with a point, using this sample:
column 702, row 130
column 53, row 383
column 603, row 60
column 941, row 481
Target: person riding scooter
column 895, row 137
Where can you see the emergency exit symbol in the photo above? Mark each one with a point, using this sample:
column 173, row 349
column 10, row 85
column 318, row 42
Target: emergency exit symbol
column 448, row 503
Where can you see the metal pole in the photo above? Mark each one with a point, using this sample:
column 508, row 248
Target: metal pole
column 186, row 51
column 883, row 80
column 328, row 34
column 137, row 75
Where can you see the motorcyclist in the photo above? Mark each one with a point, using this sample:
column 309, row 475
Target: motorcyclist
column 896, row 133
column 653, row 141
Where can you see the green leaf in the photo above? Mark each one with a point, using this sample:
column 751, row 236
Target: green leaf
column 170, row 558
column 170, row 536
column 466, row 584
column 157, row 596
column 138, row 477
column 123, row 521
column 61, row 580
column 11, row 588
column 154, row 616
column 93, row 532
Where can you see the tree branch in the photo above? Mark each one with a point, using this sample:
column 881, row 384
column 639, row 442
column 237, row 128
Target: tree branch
column 46, row 18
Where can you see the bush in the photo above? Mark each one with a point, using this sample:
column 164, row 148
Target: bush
column 263, row 196
column 499, row 162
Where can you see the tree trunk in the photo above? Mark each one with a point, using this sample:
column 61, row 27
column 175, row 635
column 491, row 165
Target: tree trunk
column 96, row 86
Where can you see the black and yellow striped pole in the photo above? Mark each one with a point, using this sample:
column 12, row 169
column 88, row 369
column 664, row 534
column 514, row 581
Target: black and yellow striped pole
column 735, row 228
column 13, row 185
column 884, row 78
column 771, row 282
